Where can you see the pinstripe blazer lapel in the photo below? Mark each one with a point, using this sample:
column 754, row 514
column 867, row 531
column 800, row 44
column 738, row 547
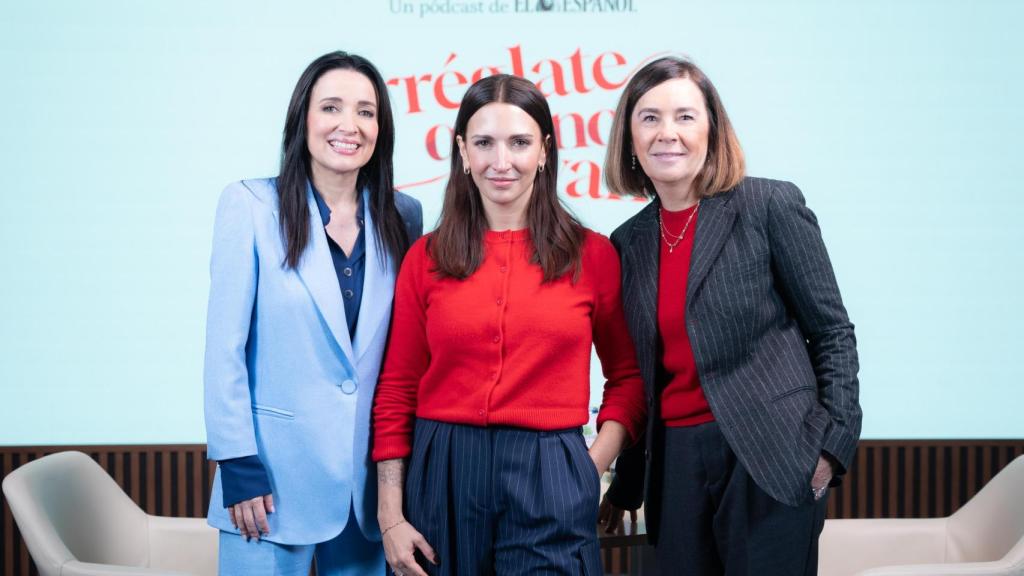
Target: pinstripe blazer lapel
column 643, row 276
column 714, row 223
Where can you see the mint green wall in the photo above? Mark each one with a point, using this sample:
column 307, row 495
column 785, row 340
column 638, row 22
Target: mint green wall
column 122, row 121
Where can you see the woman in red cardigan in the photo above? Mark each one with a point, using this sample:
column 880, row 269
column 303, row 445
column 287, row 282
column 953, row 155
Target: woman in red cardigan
column 482, row 467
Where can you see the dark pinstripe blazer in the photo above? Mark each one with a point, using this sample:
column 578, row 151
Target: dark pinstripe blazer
column 775, row 351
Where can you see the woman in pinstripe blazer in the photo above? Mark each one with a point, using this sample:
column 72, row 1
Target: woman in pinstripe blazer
column 745, row 348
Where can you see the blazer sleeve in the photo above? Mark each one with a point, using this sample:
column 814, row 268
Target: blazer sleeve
column 412, row 215
column 233, row 276
column 807, row 283
column 627, row 487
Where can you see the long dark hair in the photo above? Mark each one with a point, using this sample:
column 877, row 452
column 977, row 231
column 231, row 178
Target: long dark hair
column 457, row 247
column 377, row 174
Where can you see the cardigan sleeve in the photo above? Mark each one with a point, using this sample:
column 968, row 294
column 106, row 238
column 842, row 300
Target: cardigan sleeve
column 623, row 399
column 405, row 360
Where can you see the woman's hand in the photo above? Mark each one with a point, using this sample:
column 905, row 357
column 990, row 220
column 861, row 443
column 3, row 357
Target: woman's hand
column 250, row 516
column 401, row 541
column 611, row 517
column 822, row 476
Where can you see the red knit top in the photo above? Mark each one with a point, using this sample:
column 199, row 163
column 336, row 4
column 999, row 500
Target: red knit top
column 682, row 400
column 503, row 348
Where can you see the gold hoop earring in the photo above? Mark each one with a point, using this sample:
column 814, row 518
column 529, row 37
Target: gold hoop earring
column 465, row 170
column 540, row 169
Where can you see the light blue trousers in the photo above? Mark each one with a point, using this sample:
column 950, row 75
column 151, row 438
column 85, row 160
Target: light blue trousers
column 347, row 554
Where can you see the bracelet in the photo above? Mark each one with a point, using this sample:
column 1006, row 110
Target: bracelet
column 385, row 531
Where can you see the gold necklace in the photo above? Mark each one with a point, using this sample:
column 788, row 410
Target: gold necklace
column 676, row 239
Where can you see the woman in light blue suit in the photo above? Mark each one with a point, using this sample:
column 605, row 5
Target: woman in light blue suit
column 302, row 278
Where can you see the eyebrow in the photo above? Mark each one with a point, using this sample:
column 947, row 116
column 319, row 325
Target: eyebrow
column 524, row 135
column 336, row 99
column 657, row 111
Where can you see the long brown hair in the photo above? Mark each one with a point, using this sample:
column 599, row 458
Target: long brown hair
column 457, row 247
column 724, row 166
column 377, row 174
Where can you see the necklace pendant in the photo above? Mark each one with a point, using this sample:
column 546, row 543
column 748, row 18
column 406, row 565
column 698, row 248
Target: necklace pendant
column 670, row 249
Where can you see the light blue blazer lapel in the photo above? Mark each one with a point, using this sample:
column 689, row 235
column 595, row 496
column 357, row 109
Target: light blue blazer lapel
column 317, row 272
column 378, row 286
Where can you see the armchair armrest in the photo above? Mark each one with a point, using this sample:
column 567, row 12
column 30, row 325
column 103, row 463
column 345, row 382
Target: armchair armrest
column 849, row 547
column 997, row 568
column 76, row 568
column 183, row 544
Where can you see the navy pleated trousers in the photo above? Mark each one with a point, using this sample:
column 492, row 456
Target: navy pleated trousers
column 502, row 500
column 715, row 520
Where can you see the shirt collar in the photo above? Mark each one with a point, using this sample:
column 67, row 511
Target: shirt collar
column 325, row 210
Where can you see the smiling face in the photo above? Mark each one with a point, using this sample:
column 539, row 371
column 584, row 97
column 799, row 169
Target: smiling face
column 503, row 149
column 669, row 127
column 341, row 125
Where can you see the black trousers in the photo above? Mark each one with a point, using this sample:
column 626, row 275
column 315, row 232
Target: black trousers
column 715, row 520
column 504, row 500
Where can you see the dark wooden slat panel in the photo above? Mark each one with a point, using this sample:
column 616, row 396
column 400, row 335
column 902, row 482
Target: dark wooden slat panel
column 181, row 481
column 846, row 498
column 892, row 481
column 211, row 470
column 971, row 483
column 150, row 480
column 929, row 484
column 7, row 541
column 905, row 488
column 891, row 478
column 987, row 463
column 947, row 480
column 861, row 482
column 876, row 483
column 163, row 478
column 133, row 478
column 198, row 482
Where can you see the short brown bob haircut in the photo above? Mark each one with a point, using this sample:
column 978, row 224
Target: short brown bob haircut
column 724, row 166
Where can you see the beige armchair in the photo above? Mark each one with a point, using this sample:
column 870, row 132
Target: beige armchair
column 984, row 537
column 76, row 521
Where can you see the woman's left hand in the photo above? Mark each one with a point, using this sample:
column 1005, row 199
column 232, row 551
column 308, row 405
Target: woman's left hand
column 611, row 517
column 822, row 476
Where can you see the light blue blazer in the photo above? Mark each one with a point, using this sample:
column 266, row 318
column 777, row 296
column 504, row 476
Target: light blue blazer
column 282, row 378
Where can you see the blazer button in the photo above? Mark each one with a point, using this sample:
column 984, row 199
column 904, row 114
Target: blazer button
column 348, row 387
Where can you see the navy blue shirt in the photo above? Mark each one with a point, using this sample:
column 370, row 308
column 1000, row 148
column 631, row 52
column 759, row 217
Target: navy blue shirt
column 350, row 268
column 245, row 478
